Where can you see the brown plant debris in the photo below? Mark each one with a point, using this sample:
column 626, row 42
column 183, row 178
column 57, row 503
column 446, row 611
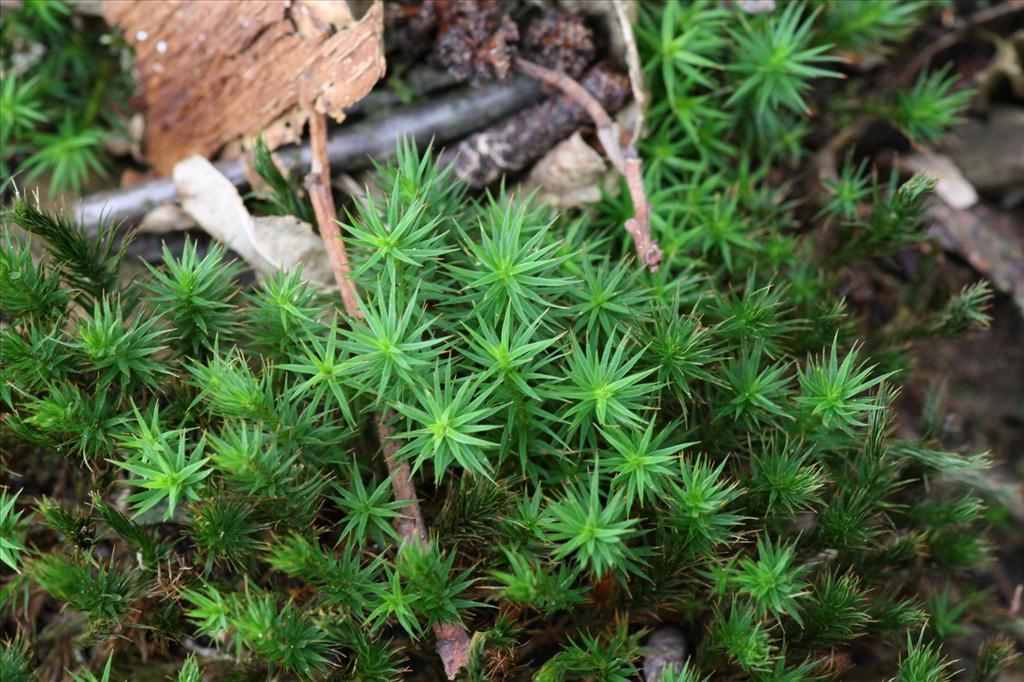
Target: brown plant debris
column 213, row 72
column 989, row 239
column 476, row 40
column 561, row 41
column 513, row 144
column 351, row 147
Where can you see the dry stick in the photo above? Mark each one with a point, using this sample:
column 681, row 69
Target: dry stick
column 452, row 641
column 318, row 184
column 443, row 119
column 623, row 156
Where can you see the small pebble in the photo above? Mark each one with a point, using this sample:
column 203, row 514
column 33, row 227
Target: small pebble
column 667, row 647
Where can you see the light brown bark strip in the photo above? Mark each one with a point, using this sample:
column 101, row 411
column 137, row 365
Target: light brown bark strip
column 213, row 72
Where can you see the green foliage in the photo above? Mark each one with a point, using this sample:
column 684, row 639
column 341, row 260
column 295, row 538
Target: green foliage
column 772, row 582
column 63, row 93
column 930, row 106
column 190, row 671
column 88, row 264
column 603, row 389
column 697, row 507
column 12, row 530
column 923, row 662
column 596, row 449
column 446, row 422
column 369, row 512
column 116, row 350
column 776, row 60
column 86, row 675
column 835, row 611
column 996, row 654
column 741, row 638
column 608, row 656
column 104, row 593
column 869, row 25
column 15, row 664
column 225, row 531
column 281, row 194
column 592, row 530
column 167, row 465
column 195, row 295
column 27, row 288
column 68, row 155
column 833, row 391
column 546, row 589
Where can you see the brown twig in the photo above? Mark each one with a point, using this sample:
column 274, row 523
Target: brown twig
column 451, row 639
column 318, row 184
column 622, row 154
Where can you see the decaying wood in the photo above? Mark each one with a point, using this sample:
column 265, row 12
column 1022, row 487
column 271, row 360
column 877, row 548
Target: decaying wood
column 514, row 143
column 451, row 639
column 213, row 72
column 351, row 147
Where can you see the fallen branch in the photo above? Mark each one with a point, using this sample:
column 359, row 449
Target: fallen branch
column 445, row 119
column 621, row 153
column 451, row 639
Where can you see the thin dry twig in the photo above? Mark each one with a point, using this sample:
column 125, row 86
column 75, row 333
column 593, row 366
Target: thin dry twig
column 451, row 639
column 622, row 154
column 634, row 65
column 318, row 184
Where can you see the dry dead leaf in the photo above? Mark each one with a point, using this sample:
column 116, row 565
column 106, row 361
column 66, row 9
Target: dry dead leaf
column 951, row 185
column 213, row 72
column 991, row 151
column 267, row 244
column 992, row 241
column 570, row 174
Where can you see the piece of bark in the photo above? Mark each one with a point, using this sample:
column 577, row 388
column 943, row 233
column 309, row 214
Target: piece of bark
column 516, row 142
column 476, row 40
column 213, row 72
